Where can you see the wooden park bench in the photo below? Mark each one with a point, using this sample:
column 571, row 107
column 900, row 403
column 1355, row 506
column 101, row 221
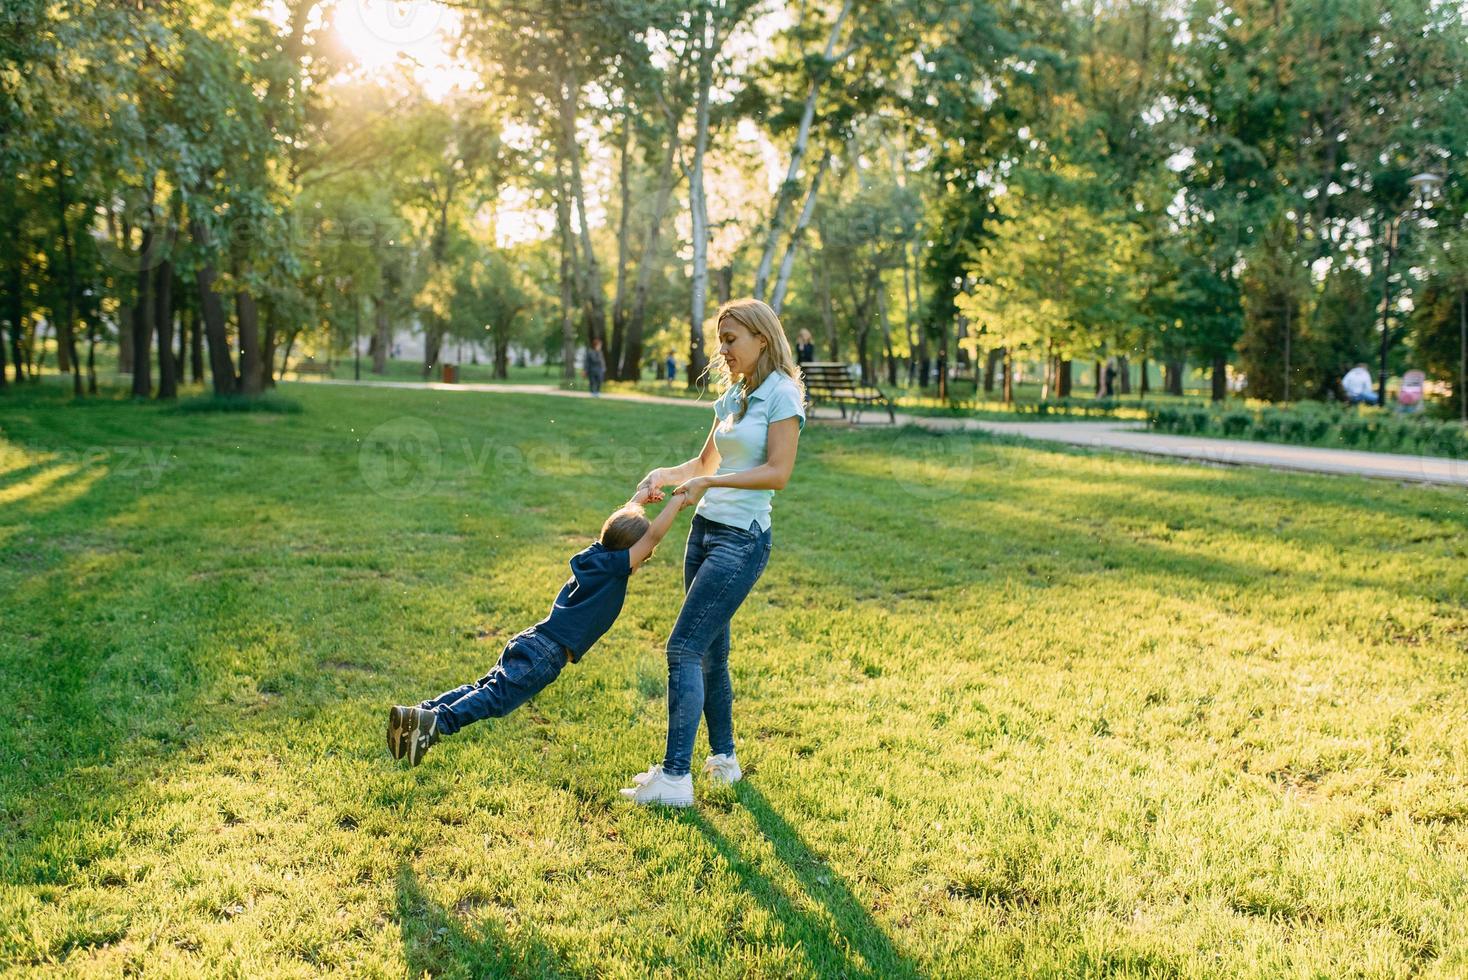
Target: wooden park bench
column 310, row 367
column 829, row 382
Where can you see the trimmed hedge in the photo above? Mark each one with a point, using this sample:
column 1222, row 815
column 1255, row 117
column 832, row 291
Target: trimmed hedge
column 1071, row 406
column 1317, row 425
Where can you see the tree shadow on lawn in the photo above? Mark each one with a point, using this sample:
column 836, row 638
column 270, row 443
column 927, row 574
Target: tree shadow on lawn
column 856, row 946
column 437, row 943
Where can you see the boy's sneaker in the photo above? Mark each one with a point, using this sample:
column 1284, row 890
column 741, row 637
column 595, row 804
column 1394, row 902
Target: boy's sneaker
column 723, row 768
column 411, row 732
column 656, row 786
column 397, row 731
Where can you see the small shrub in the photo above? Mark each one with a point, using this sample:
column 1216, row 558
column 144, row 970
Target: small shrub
column 1236, row 422
column 1310, row 423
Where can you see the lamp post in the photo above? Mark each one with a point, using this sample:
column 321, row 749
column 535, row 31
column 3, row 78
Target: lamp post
column 1423, row 185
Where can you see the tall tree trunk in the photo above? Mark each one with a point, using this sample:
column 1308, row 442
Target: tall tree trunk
column 624, row 235
column 143, row 315
column 35, row 350
column 196, row 345
column 828, row 312
column 267, row 351
column 787, row 264
column 248, row 315
column 1008, row 377
column 14, row 311
column 569, row 286
column 383, row 336
column 787, row 191
column 125, row 327
column 66, row 357
column 886, row 332
column 432, row 343
column 1065, row 378
column 163, row 322
column 1386, row 312
column 181, row 357
column 121, row 233
column 912, row 343
column 697, row 202
column 502, row 354
column 646, row 264
column 1124, row 376
column 1101, row 379
column 943, row 363
column 592, row 294
column 211, row 311
column 285, row 355
column 991, row 363
column 91, row 355
column 1172, row 375
column 1143, row 384
column 1220, row 377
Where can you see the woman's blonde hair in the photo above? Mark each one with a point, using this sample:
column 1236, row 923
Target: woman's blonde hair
column 760, row 320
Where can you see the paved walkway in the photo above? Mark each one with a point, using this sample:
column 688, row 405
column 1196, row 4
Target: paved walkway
column 1111, row 435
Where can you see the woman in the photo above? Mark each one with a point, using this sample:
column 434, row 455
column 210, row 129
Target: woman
column 748, row 455
column 805, row 348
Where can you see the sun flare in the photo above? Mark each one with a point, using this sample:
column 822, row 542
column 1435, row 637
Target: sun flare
column 381, row 33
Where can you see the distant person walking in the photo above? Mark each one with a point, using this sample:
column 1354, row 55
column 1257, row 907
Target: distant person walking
column 672, row 368
column 595, row 365
column 1357, row 386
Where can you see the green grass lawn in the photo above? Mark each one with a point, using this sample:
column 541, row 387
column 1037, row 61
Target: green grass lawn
column 1006, row 709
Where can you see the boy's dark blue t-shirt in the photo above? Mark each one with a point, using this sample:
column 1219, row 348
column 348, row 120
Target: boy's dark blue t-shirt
column 591, row 599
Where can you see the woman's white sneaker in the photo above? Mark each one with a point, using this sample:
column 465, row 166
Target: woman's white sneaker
column 723, row 768
column 657, row 787
column 643, row 777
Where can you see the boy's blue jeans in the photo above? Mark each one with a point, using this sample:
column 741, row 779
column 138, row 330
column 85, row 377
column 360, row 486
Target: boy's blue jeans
column 529, row 662
column 720, row 566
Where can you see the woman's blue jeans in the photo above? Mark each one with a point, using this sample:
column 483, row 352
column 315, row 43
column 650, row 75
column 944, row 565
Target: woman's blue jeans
column 720, row 567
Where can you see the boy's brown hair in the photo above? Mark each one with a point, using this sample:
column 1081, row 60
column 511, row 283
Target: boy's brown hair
column 624, row 528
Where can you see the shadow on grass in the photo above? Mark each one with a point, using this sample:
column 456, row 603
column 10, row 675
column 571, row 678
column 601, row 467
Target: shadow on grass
column 848, row 944
column 437, row 943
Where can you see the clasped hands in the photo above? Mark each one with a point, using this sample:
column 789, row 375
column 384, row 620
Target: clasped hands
column 650, row 489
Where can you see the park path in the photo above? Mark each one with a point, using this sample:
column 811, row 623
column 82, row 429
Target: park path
column 1109, row 435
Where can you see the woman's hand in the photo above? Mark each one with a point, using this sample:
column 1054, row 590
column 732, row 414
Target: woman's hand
column 692, row 490
column 650, row 489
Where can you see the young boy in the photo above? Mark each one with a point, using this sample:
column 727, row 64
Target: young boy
column 586, row 607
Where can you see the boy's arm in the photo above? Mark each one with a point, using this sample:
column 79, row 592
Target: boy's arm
column 642, row 550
